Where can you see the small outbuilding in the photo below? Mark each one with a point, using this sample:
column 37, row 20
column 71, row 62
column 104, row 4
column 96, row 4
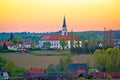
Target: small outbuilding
column 79, row 70
column 4, row 75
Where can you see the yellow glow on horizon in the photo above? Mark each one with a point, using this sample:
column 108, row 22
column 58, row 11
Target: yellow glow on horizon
column 32, row 15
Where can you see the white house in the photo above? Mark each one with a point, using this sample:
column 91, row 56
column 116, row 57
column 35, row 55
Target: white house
column 55, row 39
column 12, row 48
column 4, row 75
column 17, row 47
column 27, row 44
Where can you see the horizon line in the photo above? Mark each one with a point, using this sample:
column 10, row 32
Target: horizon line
column 55, row 31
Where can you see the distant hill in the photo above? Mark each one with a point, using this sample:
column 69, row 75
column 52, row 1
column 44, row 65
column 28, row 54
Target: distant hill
column 37, row 36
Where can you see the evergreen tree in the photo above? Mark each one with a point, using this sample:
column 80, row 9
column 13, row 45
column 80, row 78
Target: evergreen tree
column 110, row 39
column 104, row 39
column 72, row 41
column 89, row 41
column 5, row 47
column 83, row 42
column 11, row 36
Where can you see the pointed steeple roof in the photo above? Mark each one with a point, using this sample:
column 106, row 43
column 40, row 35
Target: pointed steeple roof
column 64, row 22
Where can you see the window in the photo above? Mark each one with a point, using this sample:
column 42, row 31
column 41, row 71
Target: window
column 1, row 74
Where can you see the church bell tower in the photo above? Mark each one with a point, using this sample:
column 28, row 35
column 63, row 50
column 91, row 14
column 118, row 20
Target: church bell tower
column 64, row 27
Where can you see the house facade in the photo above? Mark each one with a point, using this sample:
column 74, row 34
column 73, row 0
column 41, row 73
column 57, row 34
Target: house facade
column 4, row 75
column 27, row 44
column 55, row 39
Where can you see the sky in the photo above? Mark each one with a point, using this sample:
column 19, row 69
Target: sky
column 47, row 15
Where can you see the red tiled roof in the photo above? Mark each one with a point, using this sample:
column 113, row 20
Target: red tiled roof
column 27, row 42
column 8, row 43
column 36, row 70
column 58, row 37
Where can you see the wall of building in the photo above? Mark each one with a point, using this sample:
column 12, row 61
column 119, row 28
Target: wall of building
column 56, row 44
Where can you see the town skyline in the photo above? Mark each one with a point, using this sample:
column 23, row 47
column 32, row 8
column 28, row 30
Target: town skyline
column 47, row 15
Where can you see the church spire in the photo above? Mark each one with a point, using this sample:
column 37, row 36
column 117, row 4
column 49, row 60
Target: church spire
column 64, row 27
column 64, row 22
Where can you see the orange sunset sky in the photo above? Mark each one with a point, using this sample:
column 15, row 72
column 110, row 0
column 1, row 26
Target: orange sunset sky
column 47, row 15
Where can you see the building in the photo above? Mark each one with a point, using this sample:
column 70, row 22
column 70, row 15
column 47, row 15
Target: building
column 36, row 71
column 55, row 39
column 4, row 75
column 7, row 43
column 27, row 44
column 104, row 75
column 64, row 28
column 39, row 74
column 50, row 76
column 79, row 70
column 12, row 47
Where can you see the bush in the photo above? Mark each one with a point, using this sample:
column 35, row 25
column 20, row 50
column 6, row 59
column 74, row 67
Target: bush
column 109, row 77
column 108, row 61
column 15, row 71
column 81, row 78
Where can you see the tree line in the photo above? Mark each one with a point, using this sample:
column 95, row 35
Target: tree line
column 89, row 45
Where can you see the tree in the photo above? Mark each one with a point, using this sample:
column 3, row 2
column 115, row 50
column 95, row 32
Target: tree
column 2, row 62
column 33, row 45
column 1, row 47
column 83, row 42
column 10, row 66
column 15, row 40
column 50, row 68
column 63, row 43
column 21, row 40
column 5, row 47
column 65, row 61
column 94, row 42
column 89, row 41
column 86, row 46
column 104, row 39
column 71, row 40
column 110, row 39
column 47, row 45
column 108, row 60
column 11, row 37
column 63, row 64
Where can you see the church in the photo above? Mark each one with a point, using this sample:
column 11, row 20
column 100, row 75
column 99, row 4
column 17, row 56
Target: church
column 55, row 39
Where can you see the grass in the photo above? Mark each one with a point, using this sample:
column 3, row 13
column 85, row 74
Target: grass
column 6, row 52
column 35, row 54
column 9, row 52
